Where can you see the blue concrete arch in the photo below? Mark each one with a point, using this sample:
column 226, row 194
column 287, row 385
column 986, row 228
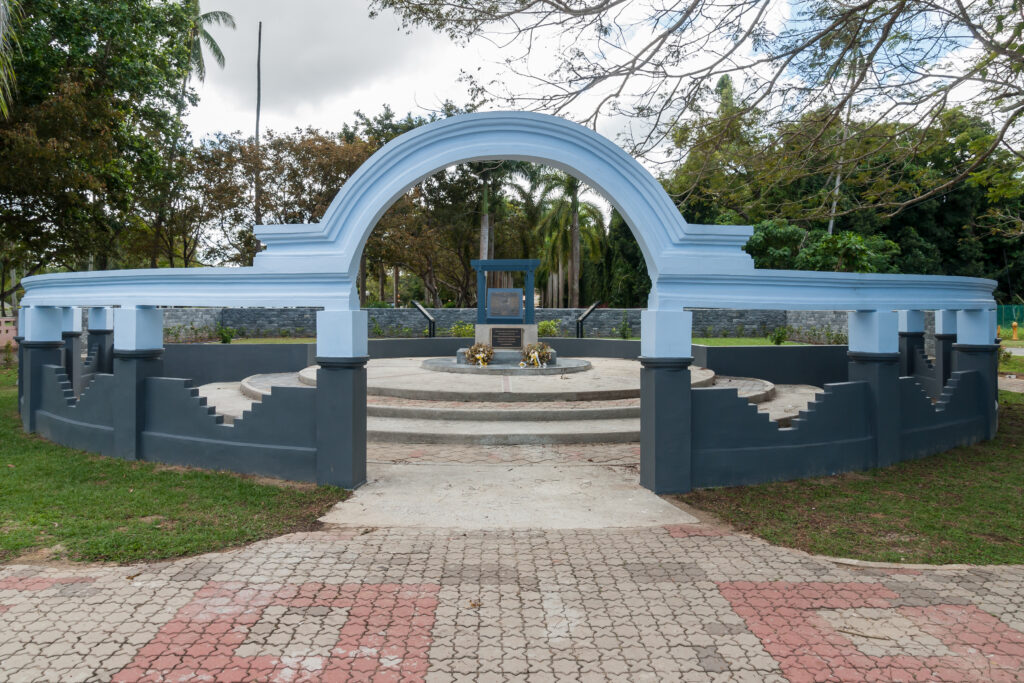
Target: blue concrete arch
column 669, row 244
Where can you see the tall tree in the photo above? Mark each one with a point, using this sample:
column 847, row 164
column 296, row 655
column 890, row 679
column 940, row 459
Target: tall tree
column 97, row 89
column 198, row 40
column 9, row 15
column 874, row 62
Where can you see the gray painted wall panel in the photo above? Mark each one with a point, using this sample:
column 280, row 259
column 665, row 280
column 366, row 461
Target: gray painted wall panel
column 86, row 424
column 733, row 444
column 278, row 438
column 205, row 363
column 814, row 365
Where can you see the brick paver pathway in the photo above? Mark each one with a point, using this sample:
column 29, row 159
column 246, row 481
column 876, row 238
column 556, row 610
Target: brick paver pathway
column 690, row 603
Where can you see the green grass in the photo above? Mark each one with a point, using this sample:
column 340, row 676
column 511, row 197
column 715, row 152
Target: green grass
column 275, row 340
column 963, row 506
column 738, row 341
column 1014, row 364
column 90, row 508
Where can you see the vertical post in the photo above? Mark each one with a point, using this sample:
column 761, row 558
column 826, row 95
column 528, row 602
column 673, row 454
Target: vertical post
column 874, row 358
column 530, row 313
column 911, row 330
column 18, row 339
column 341, row 350
column 665, row 412
column 101, row 338
column 481, row 296
column 975, row 350
column 138, row 355
column 945, row 338
column 71, row 335
column 42, row 345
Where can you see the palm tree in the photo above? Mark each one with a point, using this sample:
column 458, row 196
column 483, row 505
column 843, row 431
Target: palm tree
column 533, row 195
column 9, row 14
column 569, row 207
column 563, row 224
column 199, row 36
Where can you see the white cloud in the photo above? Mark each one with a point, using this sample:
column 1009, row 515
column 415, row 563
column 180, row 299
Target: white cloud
column 322, row 60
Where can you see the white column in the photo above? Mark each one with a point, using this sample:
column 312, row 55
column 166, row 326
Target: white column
column 666, row 334
column 911, row 321
column 71, row 319
column 41, row 323
column 138, row 328
column 974, row 326
column 101, row 318
column 945, row 321
column 341, row 334
column 873, row 332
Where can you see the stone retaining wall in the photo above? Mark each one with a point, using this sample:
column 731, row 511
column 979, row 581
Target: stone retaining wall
column 185, row 324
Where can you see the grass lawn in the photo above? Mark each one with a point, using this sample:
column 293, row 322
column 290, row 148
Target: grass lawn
column 738, row 341
column 963, row 506
column 275, row 340
column 90, row 508
column 1014, row 364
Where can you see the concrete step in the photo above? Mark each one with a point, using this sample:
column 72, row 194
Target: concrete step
column 563, row 411
column 501, row 432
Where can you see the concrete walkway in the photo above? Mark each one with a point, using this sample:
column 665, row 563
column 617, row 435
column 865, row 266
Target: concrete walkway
column 419, row 592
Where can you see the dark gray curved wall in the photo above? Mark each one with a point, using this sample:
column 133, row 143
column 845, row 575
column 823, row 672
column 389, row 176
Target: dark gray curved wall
column 149, row 414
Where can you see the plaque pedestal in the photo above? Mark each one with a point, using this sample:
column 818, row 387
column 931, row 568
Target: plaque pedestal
column 507, row 337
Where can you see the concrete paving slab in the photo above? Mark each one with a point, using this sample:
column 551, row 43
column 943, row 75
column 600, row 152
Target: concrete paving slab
column 539, row 496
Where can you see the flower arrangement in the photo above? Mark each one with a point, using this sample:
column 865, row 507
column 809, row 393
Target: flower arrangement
column 479, row 354
column 536, row 355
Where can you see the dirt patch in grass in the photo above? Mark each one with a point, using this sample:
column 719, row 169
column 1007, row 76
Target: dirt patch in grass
column 963, row 506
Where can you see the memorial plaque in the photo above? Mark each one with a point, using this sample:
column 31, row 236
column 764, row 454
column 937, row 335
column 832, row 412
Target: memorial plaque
column 507, row 337
column 505, row 303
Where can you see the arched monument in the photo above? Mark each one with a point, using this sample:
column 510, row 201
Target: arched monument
column 691, row 266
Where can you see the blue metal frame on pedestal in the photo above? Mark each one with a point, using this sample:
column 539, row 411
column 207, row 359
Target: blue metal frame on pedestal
column 507, row 265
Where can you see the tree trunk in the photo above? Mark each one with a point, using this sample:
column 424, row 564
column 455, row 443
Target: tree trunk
column 394, row 286
column 381, row 280
column 362, row 280
column 574, row 264
column 258, row 198
column 561, row 285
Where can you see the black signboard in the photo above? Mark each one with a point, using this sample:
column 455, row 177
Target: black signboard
column 507, row 337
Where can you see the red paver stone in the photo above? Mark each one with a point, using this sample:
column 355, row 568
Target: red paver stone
column 299, row 632
column 788, row 619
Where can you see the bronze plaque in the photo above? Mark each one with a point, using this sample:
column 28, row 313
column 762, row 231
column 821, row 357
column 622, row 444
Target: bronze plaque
column 507, row 337
column 505, row 303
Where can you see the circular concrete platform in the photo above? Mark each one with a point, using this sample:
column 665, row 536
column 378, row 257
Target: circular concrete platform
column 407, row 403
column 564, row 366
column 611, row 378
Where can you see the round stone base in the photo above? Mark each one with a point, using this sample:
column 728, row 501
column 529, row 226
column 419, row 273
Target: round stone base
column 564, row 367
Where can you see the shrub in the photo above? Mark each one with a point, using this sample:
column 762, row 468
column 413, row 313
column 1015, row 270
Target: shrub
column 226, row 334
column 8, row 358
column 549, row 328
column 462, row 329
column 779, row 335
column 623, row 329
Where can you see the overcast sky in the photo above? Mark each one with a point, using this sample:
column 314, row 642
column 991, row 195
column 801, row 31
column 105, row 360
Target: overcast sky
column 322, row 60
